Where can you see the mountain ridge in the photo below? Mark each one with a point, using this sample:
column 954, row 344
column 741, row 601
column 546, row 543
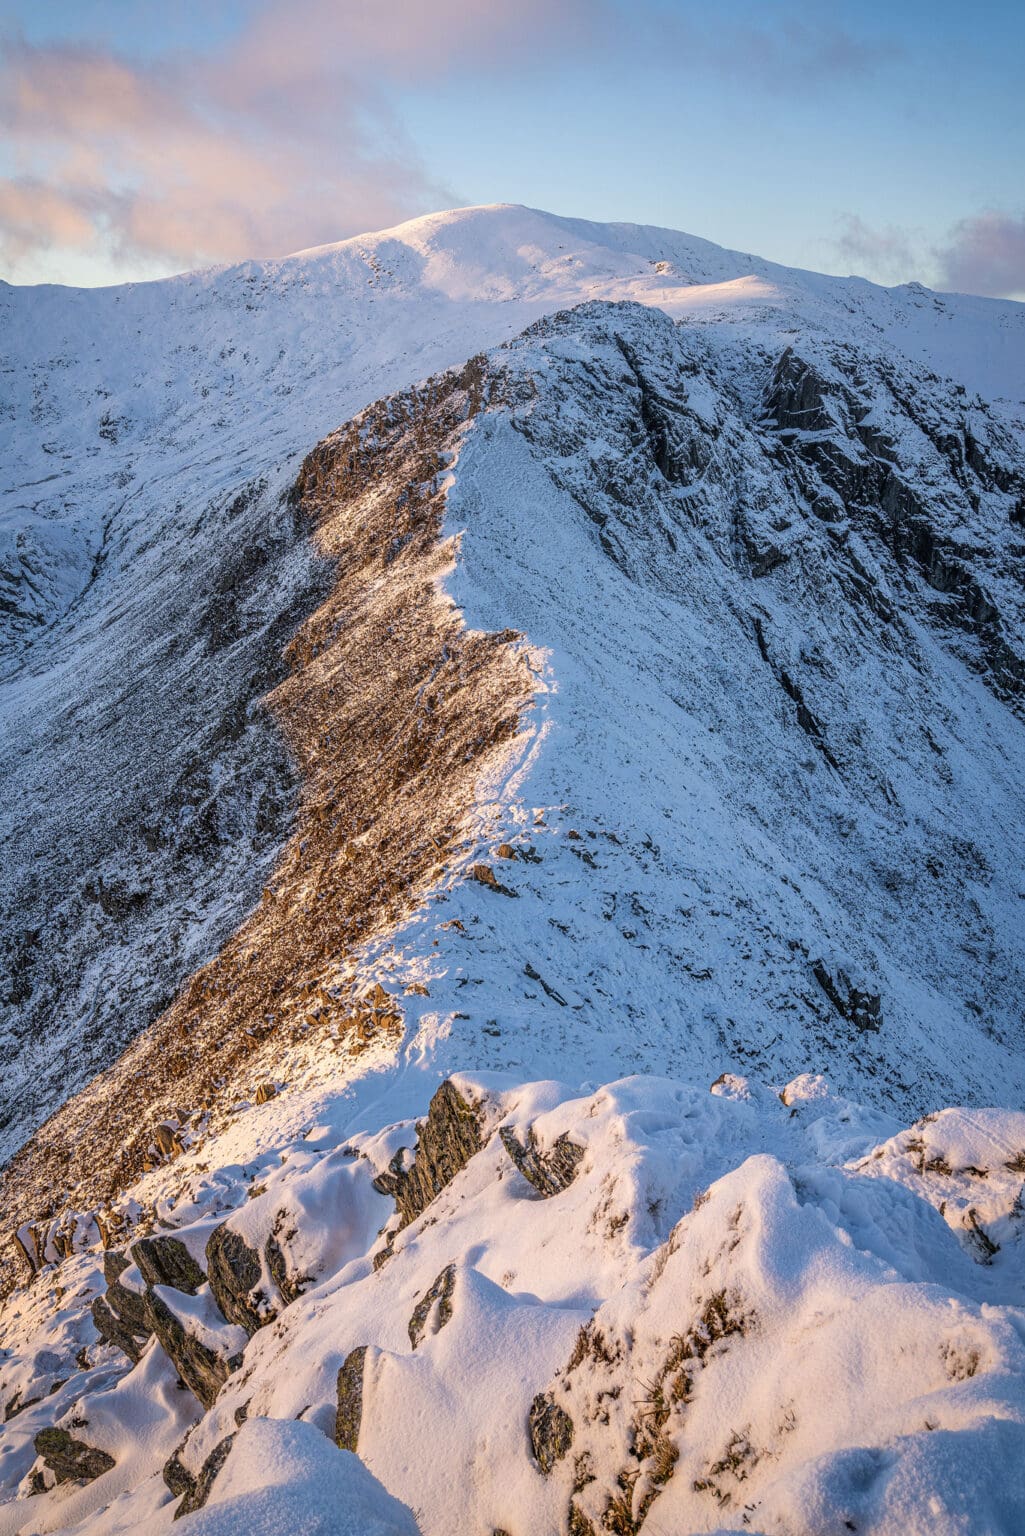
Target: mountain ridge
column 674, row 656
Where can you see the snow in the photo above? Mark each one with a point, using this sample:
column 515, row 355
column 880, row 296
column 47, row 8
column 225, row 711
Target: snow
column 288, row 1477
column 786, row 1194
column 871, row 1368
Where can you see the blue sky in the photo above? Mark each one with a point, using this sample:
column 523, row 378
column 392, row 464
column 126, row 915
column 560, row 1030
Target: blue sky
column 883, row 139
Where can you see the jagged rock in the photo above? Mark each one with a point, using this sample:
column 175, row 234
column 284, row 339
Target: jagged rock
column 863, row 1009
column 110, row 1328
column 265, row 1092
column 194, row 1491
column 30, row 1241
column 550, row 1171
column 120, row 1316
column 164, row 1260
column 289, row 1285
column 203, row 1369
column 349, row 1414
column 235, row 1273
column 439, row 1293
column 71, row 1460
column 506, row 851
column 167, row 1139
column 176, row 1475
column 551, row 1431
column 446, row 1140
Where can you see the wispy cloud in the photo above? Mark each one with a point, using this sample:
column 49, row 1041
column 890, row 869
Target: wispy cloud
column 276, row 141
column 985, row 254
column 887, row 255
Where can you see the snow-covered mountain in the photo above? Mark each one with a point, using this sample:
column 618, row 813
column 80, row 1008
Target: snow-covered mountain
column 643, row 695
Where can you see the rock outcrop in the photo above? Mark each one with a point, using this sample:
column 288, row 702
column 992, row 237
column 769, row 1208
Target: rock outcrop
column 446, row 1140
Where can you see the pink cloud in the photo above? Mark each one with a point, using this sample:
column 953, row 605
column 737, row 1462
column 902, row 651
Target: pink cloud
column 985, row 254
column 283, row 139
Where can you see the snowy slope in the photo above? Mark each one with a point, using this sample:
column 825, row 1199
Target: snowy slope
column 159, row 421
column 755, row 536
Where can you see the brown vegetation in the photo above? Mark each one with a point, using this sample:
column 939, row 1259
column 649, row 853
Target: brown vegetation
column 393, row 711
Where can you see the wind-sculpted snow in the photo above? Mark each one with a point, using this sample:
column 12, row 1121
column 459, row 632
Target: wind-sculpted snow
column 747, row 1309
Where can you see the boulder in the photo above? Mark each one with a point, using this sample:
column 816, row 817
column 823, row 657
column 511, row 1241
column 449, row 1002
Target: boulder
column 71, row 1460
column 193, row 1491
column 120, row 1316
column 165, row 1260
column 551, row 1431
column 113, row 1331
column 349, row 1414
column 438, row 1295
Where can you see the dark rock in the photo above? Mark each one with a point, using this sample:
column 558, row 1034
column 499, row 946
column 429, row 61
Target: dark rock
column 113, row 1331
column 235, row 1273
column 203, row 1370
column 550, row 1171
column 120, row 1317
column 446, row 1140
column 177, row 1476
column 485, row 875
column 439, row 1293
column 863, row 1009
column 349, row 1414
column 71, row 1460
column 164, row 1260
column 194, row 1491
column 290, row 1286
column 551, row 1431
column 167, row 1139
column 16, row 1405
column 115, row 1262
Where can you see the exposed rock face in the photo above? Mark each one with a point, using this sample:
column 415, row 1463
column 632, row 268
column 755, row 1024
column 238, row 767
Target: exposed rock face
column 862, row 1008
column 182, row 790
column 437, row 1296
column 374, row 497
column 203, row 1361
column 121, row 1316
column 349, row 1414
column 446, row 1140
column 235, row 1274
column 550, row 1171
column 193, row 1492
column 69, row 1459
column 165, row 1260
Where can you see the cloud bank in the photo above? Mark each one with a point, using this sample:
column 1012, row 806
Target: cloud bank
column 277, row 141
